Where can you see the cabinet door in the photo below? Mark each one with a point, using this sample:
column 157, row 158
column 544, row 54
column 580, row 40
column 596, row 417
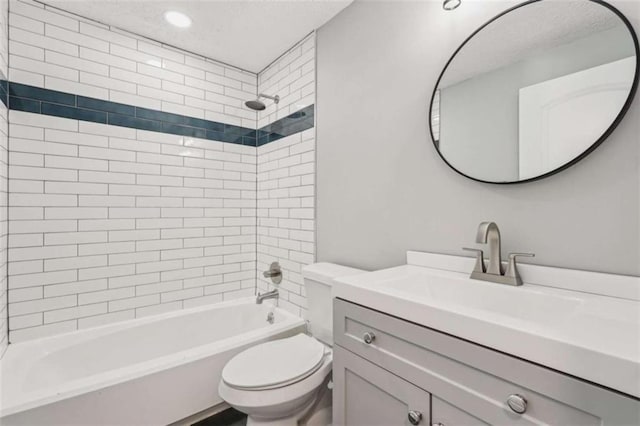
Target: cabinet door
column 367, row 395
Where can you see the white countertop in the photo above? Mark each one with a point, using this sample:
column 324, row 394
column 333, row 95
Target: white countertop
column 595, row 337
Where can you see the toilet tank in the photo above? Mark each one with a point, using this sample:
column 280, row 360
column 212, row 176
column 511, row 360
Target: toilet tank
column 318, row 280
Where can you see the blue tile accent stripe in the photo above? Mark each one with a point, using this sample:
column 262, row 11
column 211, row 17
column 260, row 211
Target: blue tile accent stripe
column 293, row 123
column 37, row 100
column 4, row 92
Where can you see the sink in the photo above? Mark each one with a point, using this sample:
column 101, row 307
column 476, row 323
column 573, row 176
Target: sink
column 592, row 336
column 457, row 292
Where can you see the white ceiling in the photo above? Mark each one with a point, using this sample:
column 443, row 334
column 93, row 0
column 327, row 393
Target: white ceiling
column 248, row 34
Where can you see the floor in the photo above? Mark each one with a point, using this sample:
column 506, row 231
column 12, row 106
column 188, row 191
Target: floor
column 229, row 417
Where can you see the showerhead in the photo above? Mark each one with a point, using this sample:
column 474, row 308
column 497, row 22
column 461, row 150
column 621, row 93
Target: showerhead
column 258, row 105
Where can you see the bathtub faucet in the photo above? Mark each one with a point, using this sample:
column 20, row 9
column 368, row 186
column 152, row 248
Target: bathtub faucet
column 273, row 294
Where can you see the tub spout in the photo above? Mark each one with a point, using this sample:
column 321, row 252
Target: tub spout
column 273, row 294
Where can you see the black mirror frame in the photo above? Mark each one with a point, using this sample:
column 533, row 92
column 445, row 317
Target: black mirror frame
column 593, row 146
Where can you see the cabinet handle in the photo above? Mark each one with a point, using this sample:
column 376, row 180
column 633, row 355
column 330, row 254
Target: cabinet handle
column 517, row 403
column 369, row 337
column 415, row 417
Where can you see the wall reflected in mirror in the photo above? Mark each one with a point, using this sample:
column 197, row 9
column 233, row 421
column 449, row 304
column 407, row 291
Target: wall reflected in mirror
column 533, row 90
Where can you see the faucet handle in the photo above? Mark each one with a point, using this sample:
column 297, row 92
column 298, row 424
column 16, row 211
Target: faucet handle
column 512, row 269
column 274, row 272
column 479, row 266
column 512, row 256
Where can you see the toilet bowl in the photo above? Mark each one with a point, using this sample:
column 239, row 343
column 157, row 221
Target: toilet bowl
column 286, row 382
column 279, row 382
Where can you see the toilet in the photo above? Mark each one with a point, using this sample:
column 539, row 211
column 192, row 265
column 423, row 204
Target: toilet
column 286, row 382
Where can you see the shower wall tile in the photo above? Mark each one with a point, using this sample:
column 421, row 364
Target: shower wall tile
column 4, row 214
column 59, row 51
column 4, row 46
column 286, row 213
column 60, row 104
column 110, row 222
column 292, row 77
column 286, row 175
column 4, row 37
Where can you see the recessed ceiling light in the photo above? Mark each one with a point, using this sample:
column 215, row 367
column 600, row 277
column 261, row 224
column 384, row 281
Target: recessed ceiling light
column 451, row 4
column 178, row 19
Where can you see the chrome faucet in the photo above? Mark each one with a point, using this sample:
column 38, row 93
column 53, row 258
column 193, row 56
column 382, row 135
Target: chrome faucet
column 488, row 233
column 273, row 294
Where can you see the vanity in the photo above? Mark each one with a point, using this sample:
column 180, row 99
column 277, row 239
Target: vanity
column 425, row 344
column 448, row 340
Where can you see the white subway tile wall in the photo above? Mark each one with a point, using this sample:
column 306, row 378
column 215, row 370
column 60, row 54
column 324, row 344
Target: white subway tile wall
column 292, row 77
column 286, row 178
column 4, row 37
column 108, row 223
column 4, row 45
column 54, row 50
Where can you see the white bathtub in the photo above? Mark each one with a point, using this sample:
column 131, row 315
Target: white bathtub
column 149, row 371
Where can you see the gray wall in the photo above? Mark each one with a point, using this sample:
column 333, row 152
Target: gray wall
column 479, row 116
column 382, row 189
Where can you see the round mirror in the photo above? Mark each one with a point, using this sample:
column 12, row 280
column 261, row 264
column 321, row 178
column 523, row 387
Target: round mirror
column 534, row 90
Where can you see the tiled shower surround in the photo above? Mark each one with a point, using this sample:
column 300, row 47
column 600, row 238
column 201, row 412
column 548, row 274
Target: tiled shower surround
column 109, row 222
column 62, row 52
column 286, row 177
column 4, row 170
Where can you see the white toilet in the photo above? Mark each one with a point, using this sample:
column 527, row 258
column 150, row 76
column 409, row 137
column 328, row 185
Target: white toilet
column 285, row 382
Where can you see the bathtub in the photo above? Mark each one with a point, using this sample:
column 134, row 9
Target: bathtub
column 150, row 371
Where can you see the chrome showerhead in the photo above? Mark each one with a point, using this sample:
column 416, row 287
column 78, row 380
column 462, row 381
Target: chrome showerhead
column 451, row 4
column 258, row 105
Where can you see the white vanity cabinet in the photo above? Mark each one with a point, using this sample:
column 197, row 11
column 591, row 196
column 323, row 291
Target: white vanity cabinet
column 388, row 371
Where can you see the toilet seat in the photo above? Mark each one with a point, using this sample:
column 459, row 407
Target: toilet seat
column 281, row 400
column 275, row 364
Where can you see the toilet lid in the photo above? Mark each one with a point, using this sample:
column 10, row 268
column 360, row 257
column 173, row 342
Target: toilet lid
column 274, row 364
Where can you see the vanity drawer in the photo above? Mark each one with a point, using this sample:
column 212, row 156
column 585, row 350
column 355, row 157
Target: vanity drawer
column 477, row 379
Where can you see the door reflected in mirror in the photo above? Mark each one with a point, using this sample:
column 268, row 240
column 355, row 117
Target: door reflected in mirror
column 534, row 90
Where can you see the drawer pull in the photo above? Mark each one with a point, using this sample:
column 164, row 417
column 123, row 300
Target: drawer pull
column 415, row 417
column 517, row 403
column 369, row 337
